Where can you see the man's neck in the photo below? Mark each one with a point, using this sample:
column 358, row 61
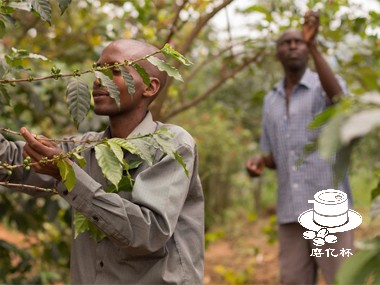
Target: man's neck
column 293, row 77
column 122, row 126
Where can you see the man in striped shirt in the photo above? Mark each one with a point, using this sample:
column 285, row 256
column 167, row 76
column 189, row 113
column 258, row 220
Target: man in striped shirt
column 288, row 110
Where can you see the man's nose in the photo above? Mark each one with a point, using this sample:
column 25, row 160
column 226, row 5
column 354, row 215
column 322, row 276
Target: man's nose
column 293, row 44
column 97, row 82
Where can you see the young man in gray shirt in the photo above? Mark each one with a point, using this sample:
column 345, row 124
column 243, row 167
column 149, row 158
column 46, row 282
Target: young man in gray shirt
column 155, row 233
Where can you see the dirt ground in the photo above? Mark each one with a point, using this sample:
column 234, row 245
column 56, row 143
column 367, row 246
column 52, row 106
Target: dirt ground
column 243, row 258
column 242, row 254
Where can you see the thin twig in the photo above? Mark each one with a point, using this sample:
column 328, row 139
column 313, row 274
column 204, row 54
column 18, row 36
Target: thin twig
column 8, row 184
column 38, row 137
column 77, row 72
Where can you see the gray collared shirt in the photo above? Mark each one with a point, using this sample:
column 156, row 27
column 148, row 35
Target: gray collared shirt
column 155, row 234
column 285, row 134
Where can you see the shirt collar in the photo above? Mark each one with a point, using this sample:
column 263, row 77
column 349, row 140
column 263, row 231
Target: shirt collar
column 146, row 126
column 306, row 80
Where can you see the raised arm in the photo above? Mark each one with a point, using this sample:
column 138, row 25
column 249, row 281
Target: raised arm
column 328, row 80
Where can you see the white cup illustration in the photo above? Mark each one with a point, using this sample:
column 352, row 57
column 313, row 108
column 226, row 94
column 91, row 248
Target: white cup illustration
column 330, row 208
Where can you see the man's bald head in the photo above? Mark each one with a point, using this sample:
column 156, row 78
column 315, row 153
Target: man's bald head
column 131, row 50
column 287, row 33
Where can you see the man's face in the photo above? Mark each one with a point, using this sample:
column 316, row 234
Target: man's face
column 292, row 51
column 103, row 103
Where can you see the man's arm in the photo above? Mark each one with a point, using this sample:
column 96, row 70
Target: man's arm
column 146, row 221
column 328, row 80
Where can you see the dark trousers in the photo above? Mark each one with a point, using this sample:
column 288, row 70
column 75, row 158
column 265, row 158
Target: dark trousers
column 297, row 263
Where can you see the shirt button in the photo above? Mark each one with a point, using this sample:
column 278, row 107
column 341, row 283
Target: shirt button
column 95, row 218
column 101, row 264
column 294, row 168
column 295, row 186
column 65, row 192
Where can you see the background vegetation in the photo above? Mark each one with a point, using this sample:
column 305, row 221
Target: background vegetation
column 219, row 101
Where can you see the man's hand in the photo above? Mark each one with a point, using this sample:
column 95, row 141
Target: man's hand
column 38, row 148
column 310, row 26
column 255, row 166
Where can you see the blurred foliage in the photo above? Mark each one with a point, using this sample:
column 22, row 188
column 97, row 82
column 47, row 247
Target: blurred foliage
column 222, row 95
column 220, row 138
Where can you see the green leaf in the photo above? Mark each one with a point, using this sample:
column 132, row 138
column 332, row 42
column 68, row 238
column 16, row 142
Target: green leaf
column 43, row 8
column 163, row 66
column 358, row 268
column 307, row 150
column 329, row 139
column 96, row 233
column 81, row 224
column 22, row 53
column 5, row 98
column 375, row 208
column 134, row 164
column 110, row 85
column 116, row 150
column 162, row 138
column 8, row 20
column 125, row 184
column 63, row 4
column 360, row 124
column 109, row 163
column 15, row 58
column 143, row 74
column 179, row 159
column 78, row 99
column 323, row 117
column 2, row 29
column 169, row 51
column 141, row 147
column 21, row 6
column 342, row 162
column 80, row 159
column 128, row 80
column 67, row 173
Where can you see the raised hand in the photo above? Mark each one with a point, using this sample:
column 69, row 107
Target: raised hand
column 310, row 26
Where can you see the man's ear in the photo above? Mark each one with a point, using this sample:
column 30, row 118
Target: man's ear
column 153, row 88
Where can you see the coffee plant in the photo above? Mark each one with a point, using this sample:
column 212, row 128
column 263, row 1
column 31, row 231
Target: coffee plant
column 108, row 152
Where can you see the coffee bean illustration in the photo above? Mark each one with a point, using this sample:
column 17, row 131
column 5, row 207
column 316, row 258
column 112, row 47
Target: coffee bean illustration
column 331, row 239
column 322, row 233
column 318, row 241
column 309, row 235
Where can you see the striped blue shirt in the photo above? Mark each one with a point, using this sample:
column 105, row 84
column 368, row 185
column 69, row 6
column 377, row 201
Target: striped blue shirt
column 285, row 135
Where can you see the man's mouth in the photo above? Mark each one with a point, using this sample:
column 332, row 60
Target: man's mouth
column 99, row 93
